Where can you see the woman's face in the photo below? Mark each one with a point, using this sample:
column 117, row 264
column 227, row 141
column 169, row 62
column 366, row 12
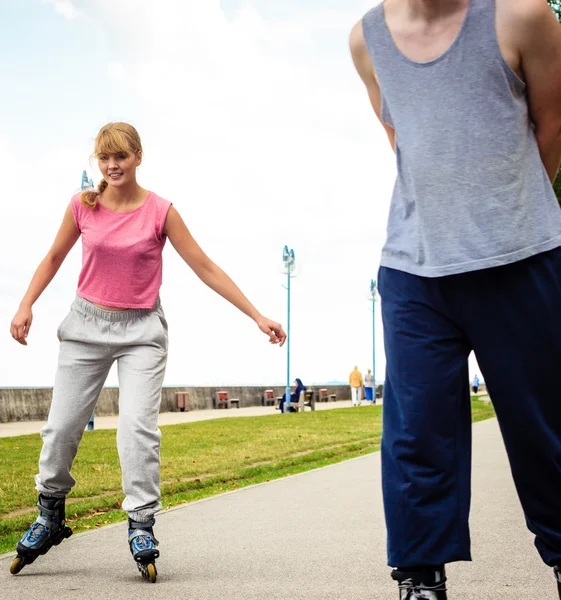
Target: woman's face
column 119, row 169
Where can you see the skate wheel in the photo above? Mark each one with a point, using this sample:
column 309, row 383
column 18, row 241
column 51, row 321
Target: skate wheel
column 16, row 566
column 152, row 573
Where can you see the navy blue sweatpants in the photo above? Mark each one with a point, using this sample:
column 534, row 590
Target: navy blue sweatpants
column 510, row 316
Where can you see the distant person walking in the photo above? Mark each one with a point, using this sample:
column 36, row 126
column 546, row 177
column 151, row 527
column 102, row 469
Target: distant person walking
column 116, row 317
column 356, row 383
column 475, row 384
column 368, row 387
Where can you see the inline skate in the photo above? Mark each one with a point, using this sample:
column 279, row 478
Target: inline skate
column 143, row 548
column 48, row 530
column 429, row 584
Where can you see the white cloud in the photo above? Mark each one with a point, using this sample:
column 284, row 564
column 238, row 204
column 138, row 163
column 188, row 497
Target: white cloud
column 63, row 7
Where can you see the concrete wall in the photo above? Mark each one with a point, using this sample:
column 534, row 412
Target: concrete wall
column 32, row 404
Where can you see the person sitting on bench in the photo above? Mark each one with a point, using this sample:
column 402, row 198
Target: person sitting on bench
column 294, row 396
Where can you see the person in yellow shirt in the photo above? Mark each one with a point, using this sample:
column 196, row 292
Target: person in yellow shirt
column 356, row 382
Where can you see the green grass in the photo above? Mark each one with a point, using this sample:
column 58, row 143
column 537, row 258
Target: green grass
column 198, row 460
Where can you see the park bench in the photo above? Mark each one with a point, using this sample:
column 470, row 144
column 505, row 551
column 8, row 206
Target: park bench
column 306, row 398
column 310, row 399
column 181, row 401
column 325, row 397
column 269, row 398
column 379, row 391
column 222, row 400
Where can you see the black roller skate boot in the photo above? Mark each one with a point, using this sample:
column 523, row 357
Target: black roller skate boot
column 429, row 584
column 143, row 548
column 48, row 530
column 557, row 571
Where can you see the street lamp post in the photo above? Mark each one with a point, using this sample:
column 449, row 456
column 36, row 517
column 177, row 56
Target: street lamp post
column 372, row 297
column 87, row 184
column 289, row 268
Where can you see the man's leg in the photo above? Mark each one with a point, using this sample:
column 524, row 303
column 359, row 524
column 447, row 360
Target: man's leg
column 426, row 440
column 515, row 328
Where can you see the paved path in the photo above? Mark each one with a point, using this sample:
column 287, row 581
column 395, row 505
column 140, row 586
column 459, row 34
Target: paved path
column 318, row 535
column 171, row 418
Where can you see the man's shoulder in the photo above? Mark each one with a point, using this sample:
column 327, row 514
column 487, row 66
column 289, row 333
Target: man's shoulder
column 357, row 38
column 523, row 13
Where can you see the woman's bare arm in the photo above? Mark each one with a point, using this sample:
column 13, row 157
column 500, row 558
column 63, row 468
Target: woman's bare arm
column 214, row 276
column 66, row 237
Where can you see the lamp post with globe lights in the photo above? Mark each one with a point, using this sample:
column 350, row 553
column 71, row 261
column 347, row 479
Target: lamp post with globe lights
column 372, row 297
column 88, row 184
column 289, row 268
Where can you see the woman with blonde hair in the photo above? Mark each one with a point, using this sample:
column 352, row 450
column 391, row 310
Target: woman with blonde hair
column 116, row 316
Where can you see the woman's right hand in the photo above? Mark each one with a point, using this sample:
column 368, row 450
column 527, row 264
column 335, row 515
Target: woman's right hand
column 21, row 324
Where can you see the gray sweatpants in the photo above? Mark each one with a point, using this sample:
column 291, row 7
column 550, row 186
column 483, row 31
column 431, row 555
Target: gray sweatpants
column 91, row 339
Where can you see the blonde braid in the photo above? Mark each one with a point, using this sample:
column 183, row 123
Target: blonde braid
column 89, row 197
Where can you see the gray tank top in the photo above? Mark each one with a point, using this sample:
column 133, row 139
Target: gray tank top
column 471, row 189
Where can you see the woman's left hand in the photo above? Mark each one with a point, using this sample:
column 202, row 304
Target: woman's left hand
column 273, row 330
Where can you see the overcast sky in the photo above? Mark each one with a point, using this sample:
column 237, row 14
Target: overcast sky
column 254, row 124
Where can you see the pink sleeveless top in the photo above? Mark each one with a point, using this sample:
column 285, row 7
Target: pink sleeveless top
column 121, row 253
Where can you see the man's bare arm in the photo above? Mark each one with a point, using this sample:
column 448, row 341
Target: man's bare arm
column 363, row 65
column 539, row 35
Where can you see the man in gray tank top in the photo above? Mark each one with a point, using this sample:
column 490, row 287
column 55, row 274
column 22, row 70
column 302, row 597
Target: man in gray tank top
column 469, row 94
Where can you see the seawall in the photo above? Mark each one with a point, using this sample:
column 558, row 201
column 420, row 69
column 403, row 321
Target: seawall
column 32, row 404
